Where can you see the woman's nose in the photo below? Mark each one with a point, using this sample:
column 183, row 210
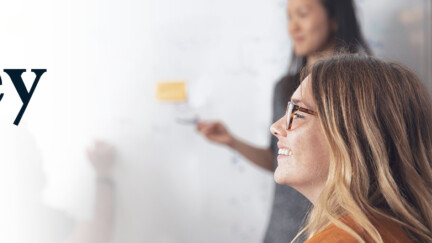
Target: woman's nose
column 278, row 129
column 293, row 26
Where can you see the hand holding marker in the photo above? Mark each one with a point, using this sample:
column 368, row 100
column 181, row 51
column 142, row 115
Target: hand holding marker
column 175, row 92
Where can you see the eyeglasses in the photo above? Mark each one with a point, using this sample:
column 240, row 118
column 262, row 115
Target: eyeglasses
column 291, row 110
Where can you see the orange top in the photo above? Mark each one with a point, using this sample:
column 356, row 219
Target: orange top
column 389, row 231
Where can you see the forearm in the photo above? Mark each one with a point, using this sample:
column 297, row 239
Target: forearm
column 262, row 157
column 100, row 227
column 103, row 217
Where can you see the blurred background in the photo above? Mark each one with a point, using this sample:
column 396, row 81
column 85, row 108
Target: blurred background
column 104, row 61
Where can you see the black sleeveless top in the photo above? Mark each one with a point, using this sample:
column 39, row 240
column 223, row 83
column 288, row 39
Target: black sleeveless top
column 289, row 206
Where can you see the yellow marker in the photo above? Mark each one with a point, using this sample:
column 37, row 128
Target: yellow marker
column 171, row 91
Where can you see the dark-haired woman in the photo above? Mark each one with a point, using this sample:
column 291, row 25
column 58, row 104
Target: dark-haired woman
column 318, row 29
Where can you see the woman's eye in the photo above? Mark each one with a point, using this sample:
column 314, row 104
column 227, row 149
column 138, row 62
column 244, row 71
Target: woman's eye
column 302, row 14
column 297, row 115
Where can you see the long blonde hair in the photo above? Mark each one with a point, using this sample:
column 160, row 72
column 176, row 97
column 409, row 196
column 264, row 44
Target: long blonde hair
column 377, row 119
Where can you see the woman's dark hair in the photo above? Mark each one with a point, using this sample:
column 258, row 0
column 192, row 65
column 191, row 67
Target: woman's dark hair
column 348, row 36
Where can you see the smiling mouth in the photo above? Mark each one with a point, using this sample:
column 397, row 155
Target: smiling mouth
column 284, row 152
column 298, row 39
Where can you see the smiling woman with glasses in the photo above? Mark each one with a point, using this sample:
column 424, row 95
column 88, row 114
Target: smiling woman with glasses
column 356, row 140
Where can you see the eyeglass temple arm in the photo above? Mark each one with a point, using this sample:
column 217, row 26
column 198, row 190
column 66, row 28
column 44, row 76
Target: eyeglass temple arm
column 306, row 110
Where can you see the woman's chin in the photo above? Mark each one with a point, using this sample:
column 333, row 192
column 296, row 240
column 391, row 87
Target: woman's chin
column 280, row 177
column 301, row 52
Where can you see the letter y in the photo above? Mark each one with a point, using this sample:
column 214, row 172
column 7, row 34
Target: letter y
column 15, row 76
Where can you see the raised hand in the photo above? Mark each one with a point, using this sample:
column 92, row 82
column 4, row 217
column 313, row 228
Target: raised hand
column 216, row 132
column 101, row 156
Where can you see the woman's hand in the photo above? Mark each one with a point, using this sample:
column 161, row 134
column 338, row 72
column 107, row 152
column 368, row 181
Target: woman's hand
column 101, row 156
column 216, row 132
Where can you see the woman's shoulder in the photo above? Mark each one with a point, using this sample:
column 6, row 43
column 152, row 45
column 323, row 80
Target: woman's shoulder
column 332, row 234
column 293, row 79
column 287, row 84
column 389, row 231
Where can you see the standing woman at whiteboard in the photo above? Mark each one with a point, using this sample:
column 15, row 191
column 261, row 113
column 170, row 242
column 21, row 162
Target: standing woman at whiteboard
column 318, row 29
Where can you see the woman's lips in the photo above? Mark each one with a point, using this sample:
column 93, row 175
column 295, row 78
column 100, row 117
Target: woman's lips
column 298, row 39
column 284, row 150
